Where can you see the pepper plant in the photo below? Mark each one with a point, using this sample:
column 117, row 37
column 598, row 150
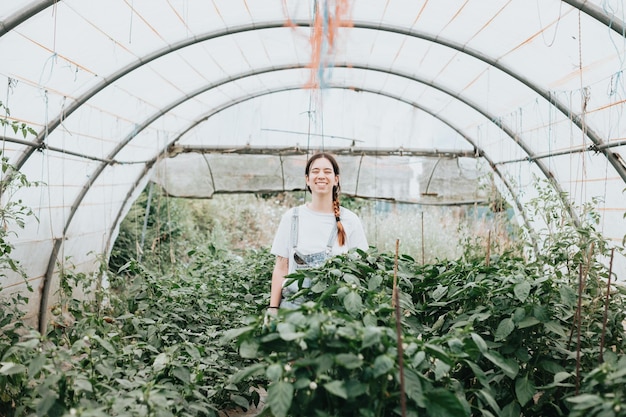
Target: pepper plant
column 507, row 335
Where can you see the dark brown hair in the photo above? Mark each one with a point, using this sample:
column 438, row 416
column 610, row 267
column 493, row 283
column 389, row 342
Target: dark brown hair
column 341, row 231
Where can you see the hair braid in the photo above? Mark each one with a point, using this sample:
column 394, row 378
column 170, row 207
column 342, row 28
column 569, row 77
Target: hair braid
column 341, row 231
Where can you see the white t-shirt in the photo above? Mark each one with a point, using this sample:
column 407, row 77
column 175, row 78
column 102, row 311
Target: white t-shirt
column 314, row 229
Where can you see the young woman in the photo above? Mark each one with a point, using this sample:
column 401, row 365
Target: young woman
column 308, row 234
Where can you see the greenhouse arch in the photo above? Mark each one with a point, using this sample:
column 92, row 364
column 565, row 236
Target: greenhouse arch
column 161, row 85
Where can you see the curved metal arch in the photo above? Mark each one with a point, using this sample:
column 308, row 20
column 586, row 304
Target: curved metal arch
column 55, row 123
column 150, row 163
column 256, row 72
column 564, row 109
column 416, row 105
column 592, row 10
column 23, row 15
column 38, row 6
column 597, row 13
column 96, row 173
column 240, row 100
column 545, row 94
column 148, row 166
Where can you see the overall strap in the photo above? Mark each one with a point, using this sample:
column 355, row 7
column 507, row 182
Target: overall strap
column 294, row 228
column 331, row 240
column 294, row 233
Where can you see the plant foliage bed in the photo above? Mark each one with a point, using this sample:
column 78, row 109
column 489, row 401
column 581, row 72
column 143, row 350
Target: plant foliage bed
column 147, row 347
column 478, row 340
column 481, row 340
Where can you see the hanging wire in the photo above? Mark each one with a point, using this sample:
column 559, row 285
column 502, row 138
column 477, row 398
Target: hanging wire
column 324, row 30
column 585, row 96
column 45, row 173
column 54, row 31
column 10, row 83
column 611, row 12
column 556, row 28
column 130, row 22
column 169, row 231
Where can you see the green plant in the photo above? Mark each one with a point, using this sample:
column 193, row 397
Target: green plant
column 604, row 390
column 15, row 125
column 146, row 345
column 479, row 339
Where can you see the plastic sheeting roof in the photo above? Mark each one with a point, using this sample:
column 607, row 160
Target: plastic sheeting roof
column 421, row 99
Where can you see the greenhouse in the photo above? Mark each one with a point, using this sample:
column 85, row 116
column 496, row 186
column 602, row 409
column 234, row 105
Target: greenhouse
column 150, row 148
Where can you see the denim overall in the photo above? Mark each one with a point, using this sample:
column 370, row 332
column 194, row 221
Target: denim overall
column 302, row 261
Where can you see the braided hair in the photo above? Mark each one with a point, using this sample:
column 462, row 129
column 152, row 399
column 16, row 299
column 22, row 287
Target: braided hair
column 341, row 231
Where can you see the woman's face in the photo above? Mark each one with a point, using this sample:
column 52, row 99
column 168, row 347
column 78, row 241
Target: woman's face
column 321, row 178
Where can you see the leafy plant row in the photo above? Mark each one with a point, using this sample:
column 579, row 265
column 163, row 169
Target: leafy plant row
column 477, row 340
column 148, row 346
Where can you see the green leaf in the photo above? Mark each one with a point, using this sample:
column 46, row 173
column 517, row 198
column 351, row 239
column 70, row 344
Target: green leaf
column 487, row 396
column 522, row 290
column 438, row 352
column 555, row 327
column 355, row 388
column 505, row 328
column 36, row 365
column 418, row 358
column 248, row 349
column 561, row 376
column 480, row 342
column 382, row 365
column 279, row 398
column 413, row 387
column 160, row 361
column 105, row 344
column 182, row 373
column 287, row 332
column 370, row 320
column 508, row 366
column 337, row 388
column 29, row 344
column 353, row 303
column 46, row 403
column 193, row 352
column 568, row 295
column 551, row 366
column 442, row 403
column 478, row 373
column 239, row 400
column 512, row 409
column 439, row 292
column 348, row 360
column 528, row 322
column 274, row 372
column 524, row 390
column 374, row 282
column 241, row 375
column 371, row 336
column 235, row 333
column 351, row 279
column 11, row 368
column 82, row 384
column 590, row 400
column 441, row 369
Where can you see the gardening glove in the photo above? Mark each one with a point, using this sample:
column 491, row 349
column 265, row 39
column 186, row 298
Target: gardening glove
column 269, row 320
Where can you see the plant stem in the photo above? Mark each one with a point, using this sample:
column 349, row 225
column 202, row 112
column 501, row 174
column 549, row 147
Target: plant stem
column 396, row 300
column 606, row 305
